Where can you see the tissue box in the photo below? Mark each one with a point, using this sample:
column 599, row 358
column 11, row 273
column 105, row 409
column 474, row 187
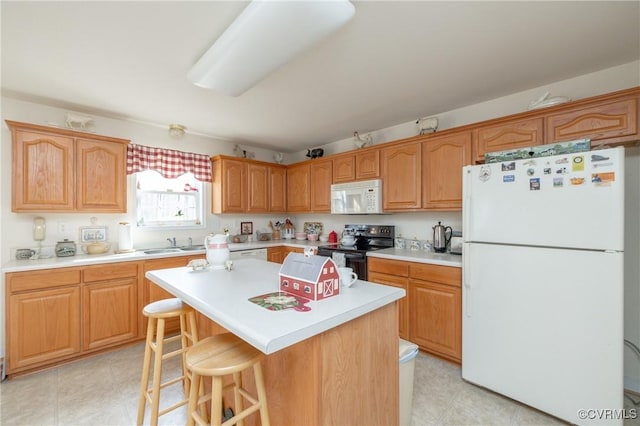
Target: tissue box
column 311, row 277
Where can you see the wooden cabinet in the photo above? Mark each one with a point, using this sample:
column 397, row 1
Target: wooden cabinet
column 609, row 121
column 299, row 187
column 402, row 176
column 442, row 161
column 506, row 135
column 430, row 315
column 358, row 165
column 64, row 170
column 321, row 174
column 309, row 186
column 229, row 186
column 435, row 306
column 152, row 293
column 43, row 317
column 275, row 254
column 257, row 188
column 394, row 273
column 247, row 186
column 277, row 189
column 344, row 168
column 110, row 304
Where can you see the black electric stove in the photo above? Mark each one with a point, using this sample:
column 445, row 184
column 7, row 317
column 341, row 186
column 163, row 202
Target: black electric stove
column 367, row 238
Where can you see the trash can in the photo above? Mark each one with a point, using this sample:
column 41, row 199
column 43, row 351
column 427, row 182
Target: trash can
column 408, row 353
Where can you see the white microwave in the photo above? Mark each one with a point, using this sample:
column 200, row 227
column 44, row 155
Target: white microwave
column 362, row 197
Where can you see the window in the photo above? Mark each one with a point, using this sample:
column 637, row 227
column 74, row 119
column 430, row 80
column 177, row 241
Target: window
column 168, row 203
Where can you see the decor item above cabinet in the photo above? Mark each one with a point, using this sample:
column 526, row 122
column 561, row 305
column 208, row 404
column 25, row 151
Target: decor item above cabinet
column 64, row 170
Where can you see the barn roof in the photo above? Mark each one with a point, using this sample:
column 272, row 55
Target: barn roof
column 304, row 268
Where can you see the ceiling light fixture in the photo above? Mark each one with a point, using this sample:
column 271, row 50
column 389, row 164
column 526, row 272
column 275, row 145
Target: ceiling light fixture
column 266, row 35
column 176, row 130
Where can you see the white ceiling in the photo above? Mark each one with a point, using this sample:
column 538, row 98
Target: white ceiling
column 393, row 63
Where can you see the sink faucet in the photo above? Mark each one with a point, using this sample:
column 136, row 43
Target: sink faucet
column 190, row 241
column 172, row 242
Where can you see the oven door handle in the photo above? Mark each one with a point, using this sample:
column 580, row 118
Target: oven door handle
column 351, row 256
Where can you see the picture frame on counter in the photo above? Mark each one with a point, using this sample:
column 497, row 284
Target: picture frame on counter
column 92, row 234
column 246, row 228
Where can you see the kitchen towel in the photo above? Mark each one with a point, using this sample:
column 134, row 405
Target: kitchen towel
column 125, row 241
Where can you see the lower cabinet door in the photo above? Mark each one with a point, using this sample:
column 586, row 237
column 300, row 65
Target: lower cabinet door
column 436, row 321
column 44, row 326
column 110, row 313
column 403, row 312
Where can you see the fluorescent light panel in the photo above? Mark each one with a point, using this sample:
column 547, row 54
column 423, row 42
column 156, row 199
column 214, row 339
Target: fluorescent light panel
column 266, row 35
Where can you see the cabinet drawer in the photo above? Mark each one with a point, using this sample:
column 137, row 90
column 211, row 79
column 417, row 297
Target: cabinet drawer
column 391, row 267
column 436, row 273
column 34, row 280
column 110, row 271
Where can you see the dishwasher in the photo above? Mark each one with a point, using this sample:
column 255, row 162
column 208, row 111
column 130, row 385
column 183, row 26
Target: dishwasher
column 249, row 254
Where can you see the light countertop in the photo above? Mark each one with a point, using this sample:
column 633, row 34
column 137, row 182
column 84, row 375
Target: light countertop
column 223, row 297
column 420, row 256
column 88, row 259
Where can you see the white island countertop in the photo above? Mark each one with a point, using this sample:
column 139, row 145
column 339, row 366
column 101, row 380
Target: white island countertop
column 223, row 297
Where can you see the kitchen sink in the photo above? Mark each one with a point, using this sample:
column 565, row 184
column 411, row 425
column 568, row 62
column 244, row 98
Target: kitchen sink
column 190, row 248
column 162, row 250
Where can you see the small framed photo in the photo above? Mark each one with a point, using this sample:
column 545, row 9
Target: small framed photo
column 246, row 228
column 92, row 234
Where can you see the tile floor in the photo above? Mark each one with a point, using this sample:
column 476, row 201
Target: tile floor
column 103, row 390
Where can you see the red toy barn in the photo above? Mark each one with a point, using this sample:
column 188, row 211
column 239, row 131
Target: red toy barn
column 311, row 277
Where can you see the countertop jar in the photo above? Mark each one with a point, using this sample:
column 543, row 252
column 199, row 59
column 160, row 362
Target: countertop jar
column 65, row 248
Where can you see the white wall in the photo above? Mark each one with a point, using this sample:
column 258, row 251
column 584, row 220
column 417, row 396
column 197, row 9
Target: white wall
column 16, row 227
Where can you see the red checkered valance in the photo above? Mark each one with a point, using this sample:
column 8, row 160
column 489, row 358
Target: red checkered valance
column 168, row 162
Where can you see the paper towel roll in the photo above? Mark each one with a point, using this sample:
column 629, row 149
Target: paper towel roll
column 125, row 242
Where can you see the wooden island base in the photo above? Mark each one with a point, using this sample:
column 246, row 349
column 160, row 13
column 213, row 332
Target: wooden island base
column 346, row 376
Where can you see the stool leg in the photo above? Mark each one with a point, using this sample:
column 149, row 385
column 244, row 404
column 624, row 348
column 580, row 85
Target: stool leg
column 146, row 364
column 185, row 344
column 216, row 401
column 262, row 395
column 194, row 395
column 237, row 397
column 157, row 373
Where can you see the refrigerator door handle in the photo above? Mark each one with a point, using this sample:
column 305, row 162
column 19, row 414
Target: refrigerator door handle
column 466, row 253
column 466, row 206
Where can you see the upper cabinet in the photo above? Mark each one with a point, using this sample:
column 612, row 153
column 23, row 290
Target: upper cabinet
column 64, row 170
column 442, row 160
column 246, row 186
column 507, row 135
column 321, row 178
column 299, row 187
column 402, row 176
column 357, row 165
column 309, row 186
column 604, row 122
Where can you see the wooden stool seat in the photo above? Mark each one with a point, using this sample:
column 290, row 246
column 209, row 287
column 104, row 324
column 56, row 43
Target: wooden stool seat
column 158, row 312
column 218, row 356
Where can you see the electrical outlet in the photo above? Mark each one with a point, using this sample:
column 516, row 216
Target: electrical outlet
column 62, row 228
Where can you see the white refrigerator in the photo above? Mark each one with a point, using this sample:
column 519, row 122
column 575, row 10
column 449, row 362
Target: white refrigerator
column 543, row 282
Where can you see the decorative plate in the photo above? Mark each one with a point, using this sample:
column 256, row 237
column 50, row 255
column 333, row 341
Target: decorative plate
column 313, row 228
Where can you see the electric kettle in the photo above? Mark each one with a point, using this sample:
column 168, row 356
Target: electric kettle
column 440, row 239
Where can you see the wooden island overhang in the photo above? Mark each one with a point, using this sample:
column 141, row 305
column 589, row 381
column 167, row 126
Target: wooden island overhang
column 335, row 364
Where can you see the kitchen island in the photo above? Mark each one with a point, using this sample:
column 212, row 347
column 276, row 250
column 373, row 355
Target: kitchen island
column 335, row 364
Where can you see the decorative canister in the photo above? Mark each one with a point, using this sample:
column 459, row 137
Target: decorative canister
column 217, row 250
column 65, row 248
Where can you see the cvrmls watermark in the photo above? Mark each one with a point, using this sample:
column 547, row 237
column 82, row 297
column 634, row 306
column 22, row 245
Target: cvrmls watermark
column 608, row 414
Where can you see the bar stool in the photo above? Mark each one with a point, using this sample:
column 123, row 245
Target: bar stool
column 158, row 312
column 218, row 356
